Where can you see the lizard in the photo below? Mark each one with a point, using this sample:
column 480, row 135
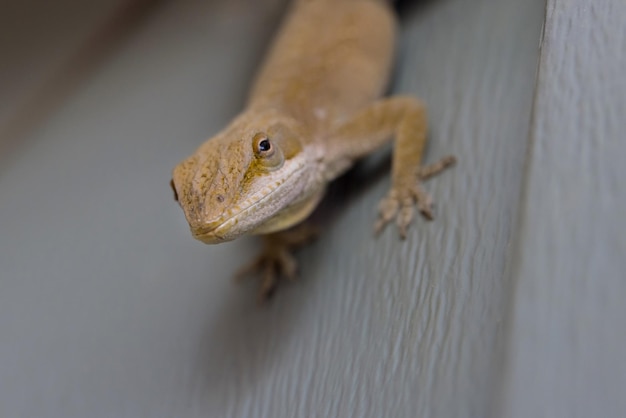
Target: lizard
column 315, row 108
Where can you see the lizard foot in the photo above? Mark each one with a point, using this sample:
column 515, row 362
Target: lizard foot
column 276, row 260
column 400, row 201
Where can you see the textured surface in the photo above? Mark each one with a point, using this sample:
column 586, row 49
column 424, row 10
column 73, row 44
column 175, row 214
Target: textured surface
column 109, row 308
column 567, row 335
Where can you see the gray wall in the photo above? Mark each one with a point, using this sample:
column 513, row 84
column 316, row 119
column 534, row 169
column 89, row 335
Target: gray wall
column 508, row 304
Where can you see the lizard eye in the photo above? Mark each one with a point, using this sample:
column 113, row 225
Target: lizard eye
column 269, row 154
column 263, row 145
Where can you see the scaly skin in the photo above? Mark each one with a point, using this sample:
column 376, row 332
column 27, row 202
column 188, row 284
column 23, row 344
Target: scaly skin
column 314, row 110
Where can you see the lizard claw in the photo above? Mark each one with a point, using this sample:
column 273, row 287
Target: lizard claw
column 271, row 264
column 401, row 201
column 276, row 259
column 400, row 204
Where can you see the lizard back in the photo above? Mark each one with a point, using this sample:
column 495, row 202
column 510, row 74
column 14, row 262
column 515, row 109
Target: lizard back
column 329, row 59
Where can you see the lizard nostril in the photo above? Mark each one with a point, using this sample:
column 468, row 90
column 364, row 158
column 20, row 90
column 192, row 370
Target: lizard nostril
column 220, row 198
column 174, row 190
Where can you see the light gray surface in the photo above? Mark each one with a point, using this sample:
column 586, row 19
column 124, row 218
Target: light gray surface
column 108, row 308
column 567, row 331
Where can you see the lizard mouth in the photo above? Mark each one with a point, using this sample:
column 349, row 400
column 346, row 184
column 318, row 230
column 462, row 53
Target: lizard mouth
column 225, row 229
column 209, row 233
column 210, row 238
column 235, row 223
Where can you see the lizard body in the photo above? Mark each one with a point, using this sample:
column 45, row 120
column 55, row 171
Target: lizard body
column 314, row 109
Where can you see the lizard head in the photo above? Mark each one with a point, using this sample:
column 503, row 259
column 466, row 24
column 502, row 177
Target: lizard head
column 242, row 177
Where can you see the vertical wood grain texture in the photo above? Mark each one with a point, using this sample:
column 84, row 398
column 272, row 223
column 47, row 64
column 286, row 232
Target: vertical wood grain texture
column 109, row 308
column 567, row 331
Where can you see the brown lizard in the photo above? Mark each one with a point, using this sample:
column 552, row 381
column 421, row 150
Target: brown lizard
column 314, row 109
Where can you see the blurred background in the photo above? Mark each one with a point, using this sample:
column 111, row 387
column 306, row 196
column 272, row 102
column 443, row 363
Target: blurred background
column 509, row 304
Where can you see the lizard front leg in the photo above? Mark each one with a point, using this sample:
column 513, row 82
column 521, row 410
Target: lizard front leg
column 405, row 120
column 276, row 259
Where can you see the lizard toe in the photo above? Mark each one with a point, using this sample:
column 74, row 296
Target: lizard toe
column 405, row 217
column 424, row 201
